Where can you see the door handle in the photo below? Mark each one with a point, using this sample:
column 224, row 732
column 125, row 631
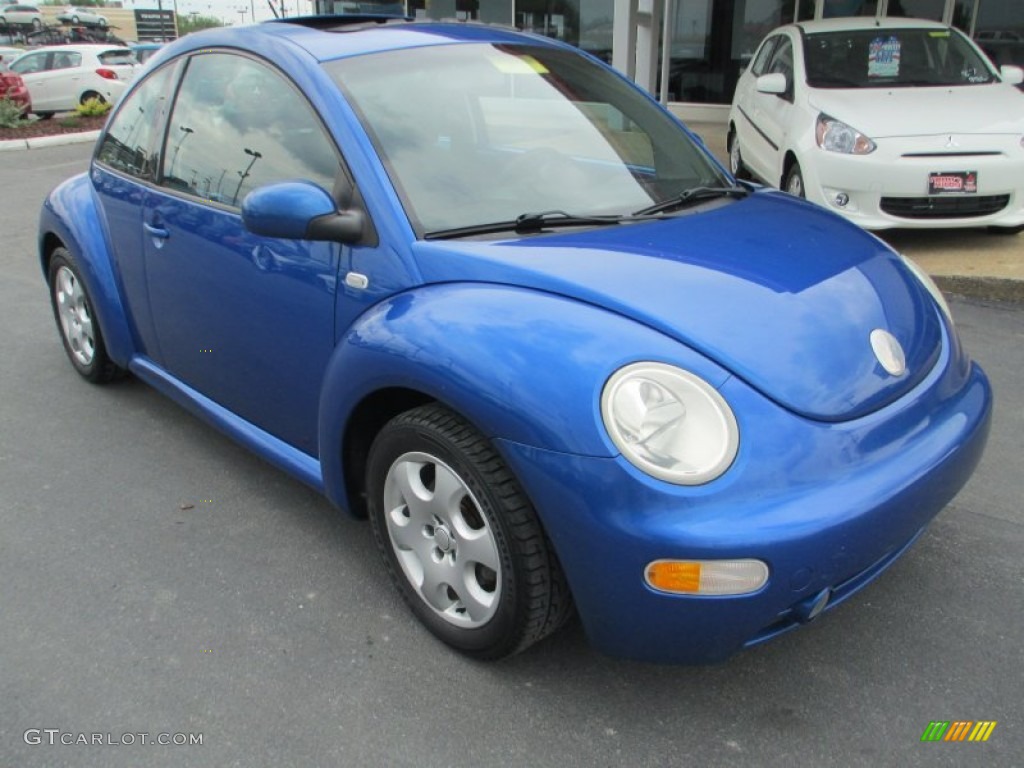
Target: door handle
column 160, row 232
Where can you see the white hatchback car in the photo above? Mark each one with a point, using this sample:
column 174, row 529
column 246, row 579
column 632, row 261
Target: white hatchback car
column 20, row 15
column 61, row 77
column 902, row 123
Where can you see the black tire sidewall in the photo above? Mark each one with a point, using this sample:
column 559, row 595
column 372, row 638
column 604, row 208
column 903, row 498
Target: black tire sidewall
column 499, row 636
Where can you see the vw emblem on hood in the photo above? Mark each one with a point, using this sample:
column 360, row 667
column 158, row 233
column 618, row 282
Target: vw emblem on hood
column 888, row 352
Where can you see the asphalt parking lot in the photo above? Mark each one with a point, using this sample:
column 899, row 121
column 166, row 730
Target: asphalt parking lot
column 158, row 579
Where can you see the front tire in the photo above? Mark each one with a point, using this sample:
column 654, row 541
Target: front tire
column 76, row 321
column 459, row 538
column 795, row 181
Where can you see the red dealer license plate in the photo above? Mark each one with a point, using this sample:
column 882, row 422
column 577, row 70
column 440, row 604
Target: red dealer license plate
column 952, row 181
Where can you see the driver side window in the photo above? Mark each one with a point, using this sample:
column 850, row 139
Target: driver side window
column 236, row 125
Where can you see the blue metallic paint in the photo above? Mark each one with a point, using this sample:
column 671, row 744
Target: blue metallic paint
column 819, row 503
column 285, row 209
column 520, row 335
column 796, row 268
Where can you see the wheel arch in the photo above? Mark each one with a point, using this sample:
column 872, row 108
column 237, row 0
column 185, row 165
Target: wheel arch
column 788, row 161
column 519, row 365
column 70, row 219
column 365, row 422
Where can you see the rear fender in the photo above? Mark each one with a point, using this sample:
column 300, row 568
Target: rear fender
column 71, row 216
column 520, row 365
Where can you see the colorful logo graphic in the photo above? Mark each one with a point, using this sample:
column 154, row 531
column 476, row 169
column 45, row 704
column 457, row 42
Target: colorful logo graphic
column 958, row 730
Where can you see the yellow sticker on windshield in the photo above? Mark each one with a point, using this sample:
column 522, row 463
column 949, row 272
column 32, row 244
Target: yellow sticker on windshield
column 940, row 33
column 518, row 65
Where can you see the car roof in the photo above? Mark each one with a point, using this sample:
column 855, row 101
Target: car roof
column 334, row 37
column 865, row 22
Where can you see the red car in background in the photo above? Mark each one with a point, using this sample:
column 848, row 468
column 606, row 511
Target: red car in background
column 13, row 87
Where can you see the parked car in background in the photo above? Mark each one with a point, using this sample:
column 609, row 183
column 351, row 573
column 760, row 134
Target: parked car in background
column 144, row 51
column 86, row 16
column 897, row 123
column 12, row 87
column 7, row 55
column 61, row 77
column 474, row 285
column 21, row 15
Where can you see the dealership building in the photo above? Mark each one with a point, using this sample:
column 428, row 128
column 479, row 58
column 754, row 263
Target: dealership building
column 703, row 45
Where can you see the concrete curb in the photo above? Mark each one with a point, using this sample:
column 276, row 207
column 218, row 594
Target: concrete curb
column 41, row 142
column 985, row 288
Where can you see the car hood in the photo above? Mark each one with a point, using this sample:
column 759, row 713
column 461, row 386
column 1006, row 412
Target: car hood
column 888, row 112
column 779, row 292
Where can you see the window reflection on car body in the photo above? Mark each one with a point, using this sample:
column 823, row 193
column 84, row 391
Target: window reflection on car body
column 692, row 195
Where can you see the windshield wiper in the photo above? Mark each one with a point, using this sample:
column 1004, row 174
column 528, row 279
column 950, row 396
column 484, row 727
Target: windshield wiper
column 526, row 223
column 692, row 195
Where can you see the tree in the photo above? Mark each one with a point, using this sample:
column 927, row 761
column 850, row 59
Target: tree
column 195, row 22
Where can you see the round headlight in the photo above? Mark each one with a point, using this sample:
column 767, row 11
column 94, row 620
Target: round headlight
column 669, row 423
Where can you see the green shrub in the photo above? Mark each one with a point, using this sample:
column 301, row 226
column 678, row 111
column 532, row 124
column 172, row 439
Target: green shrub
column 69, row 122
column 92, row 108
column 10, row 113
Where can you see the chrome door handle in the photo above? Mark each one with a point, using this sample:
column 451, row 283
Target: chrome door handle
column 160, row 232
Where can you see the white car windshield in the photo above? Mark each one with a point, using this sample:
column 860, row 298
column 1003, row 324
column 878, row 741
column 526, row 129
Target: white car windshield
column 892, row 58
column 479, row 133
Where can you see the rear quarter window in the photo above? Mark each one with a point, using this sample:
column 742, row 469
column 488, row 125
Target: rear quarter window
column 112, row 58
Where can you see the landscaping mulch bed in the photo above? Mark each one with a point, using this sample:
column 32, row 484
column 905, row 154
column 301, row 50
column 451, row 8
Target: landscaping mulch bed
column 31, row 129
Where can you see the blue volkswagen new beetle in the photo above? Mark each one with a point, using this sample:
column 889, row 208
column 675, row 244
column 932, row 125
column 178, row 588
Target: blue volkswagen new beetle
column 477, row 287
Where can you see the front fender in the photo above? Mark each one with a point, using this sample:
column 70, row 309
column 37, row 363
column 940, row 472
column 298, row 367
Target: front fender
column 71, row 214
column 520, row 365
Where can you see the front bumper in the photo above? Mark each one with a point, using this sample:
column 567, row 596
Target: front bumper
column 889, row 187
column 827, row 506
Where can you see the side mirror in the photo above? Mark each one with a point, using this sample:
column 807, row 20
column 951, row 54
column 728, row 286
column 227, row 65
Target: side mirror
column 1011, row 74
column 772, row 83
column 299, row 210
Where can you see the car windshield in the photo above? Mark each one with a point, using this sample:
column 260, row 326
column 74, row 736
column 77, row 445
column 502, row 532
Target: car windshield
column 887, row 58
column 480, row 133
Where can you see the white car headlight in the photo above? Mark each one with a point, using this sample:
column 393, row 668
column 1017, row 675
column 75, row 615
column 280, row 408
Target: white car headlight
column 929, row 284
column 836, row 136
column 669, row 423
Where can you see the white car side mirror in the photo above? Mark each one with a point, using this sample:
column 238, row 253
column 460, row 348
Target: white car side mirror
column 772, row 83
column 1010, row 74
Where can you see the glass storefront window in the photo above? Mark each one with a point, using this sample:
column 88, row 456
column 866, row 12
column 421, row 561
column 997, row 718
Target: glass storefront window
column 833, row 8
column 999, row 30
column 917, row 9
column 586, row 24
column 713, row 41
column 492, row 11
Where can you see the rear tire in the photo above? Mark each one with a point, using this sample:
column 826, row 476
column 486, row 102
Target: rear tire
column 92, row 95
column 736, row 167
column 77, row 322
column 459, row 538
